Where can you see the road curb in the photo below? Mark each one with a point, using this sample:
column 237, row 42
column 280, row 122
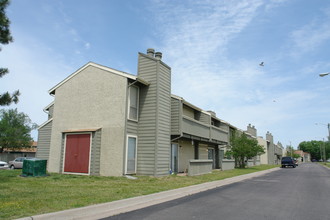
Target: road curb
column 126, row 205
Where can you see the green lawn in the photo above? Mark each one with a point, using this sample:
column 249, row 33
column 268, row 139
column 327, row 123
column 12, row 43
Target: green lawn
column 325, row 164
column 26, row 196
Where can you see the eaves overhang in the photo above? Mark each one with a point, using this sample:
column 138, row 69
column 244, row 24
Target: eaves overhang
column 45, row 123
column 105, row 68
column 142, row 81
column 48, row 106
column 81, row 130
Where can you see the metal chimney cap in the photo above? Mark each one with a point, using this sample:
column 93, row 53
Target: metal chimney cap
column 158, row 55
column 151, row 52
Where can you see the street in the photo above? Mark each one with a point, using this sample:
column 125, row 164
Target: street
column 291, row 193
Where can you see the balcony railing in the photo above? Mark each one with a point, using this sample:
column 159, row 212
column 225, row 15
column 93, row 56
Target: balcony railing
column 193, row 127
column 219, row 134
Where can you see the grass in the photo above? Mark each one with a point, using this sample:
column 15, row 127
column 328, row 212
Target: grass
column 27, row 196
column 325, row 163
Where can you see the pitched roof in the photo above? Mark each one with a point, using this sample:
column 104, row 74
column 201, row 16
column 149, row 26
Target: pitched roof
column 114, row 71
column 32, row 149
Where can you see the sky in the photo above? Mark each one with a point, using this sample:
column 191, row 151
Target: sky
column 214, row 48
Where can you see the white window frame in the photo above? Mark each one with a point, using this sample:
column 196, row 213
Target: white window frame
column 126, row 156
column 137, row 101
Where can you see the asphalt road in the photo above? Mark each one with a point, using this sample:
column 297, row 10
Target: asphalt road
column 290, row 193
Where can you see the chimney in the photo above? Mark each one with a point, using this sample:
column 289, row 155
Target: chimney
column 212, row 113
column 158, row 55
column 150, row 52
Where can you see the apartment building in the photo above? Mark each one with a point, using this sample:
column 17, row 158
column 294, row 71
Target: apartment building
column 112, row 123
column 273, row 152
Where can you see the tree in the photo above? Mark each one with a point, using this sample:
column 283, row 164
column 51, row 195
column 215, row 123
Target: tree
column 244, row 148
column 5, row 38
column 15, row 129
column 316, row 148
column 290, row 152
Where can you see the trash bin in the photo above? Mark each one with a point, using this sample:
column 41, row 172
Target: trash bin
column 34, row 167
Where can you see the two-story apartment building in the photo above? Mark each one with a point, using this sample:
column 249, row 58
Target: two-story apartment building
column 273, row 152
column 108, row 122
column 195, row 134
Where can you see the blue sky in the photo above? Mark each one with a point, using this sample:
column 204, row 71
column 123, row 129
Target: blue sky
column 213, row 47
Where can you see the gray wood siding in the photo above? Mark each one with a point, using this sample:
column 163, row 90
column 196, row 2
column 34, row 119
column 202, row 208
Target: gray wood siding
column 95, row 153
column 147, row 126
column 205, row 118
column 62, row 152
column 154, row 122
column 175, row 116
column 207, row 131
column 224, row 127
column 44, row 135
column 187, row 111
column 195, row 128
column 132, row 127
column 164, row 123
column 219, row 134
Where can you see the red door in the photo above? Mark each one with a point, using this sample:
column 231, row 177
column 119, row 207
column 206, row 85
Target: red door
column 77, row 153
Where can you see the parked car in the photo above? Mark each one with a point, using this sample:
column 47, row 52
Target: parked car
column 3, row 165
column 17, row 163
column 288, row 162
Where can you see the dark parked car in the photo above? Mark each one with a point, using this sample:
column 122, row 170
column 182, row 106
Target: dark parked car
column 288, row 162
column 17, row 163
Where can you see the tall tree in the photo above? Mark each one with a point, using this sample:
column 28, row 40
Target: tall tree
column 244, row 148
column 290, row 152
column 15, row 129
column 316, row 149
column 5, row 37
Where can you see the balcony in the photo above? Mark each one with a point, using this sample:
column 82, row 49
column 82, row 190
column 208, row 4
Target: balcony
column 219, row 134
column 196, row 128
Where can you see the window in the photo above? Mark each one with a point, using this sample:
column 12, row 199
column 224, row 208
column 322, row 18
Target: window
column 131, row 155
column 133, row 102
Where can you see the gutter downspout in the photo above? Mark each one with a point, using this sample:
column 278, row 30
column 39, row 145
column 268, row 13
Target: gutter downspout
column 174, row 139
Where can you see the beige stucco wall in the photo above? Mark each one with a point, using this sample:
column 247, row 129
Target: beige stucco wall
column 93, row 98
column 263, row 157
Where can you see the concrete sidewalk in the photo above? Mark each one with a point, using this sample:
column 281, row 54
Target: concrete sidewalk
column 121, row 206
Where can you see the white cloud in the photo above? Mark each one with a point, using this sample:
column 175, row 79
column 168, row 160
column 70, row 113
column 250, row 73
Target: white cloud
column 195, row 36
column 34, row 69
column 274, row 4
column 202, row 28
column 87, row 45
column 311, row 36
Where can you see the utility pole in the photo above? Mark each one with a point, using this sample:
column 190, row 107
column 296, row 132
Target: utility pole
column 291, row 149
column 324, row 156
column 329, row 132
